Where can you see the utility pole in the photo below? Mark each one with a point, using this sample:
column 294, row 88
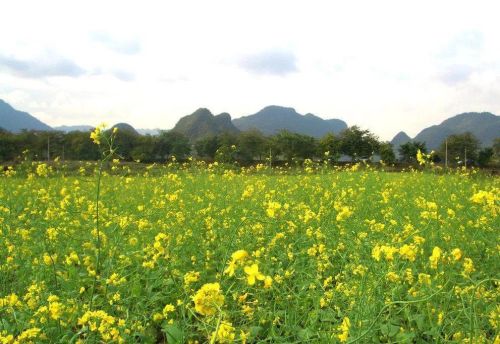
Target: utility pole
column 446, row 153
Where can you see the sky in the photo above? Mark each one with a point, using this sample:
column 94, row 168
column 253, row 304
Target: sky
column 383, row 65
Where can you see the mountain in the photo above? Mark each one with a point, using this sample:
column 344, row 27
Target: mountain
column 69, row 128
column 484, row 125
column 125, row 127
column 14, row 121
column 151, row 132
column 203, row 123
column 272, row 119
column 400, row 139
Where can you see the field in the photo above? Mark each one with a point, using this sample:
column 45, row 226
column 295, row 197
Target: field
column 179, row 254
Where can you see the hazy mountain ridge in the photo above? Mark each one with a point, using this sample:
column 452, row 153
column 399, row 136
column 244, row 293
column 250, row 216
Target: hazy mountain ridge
column 69, row 128
column 272, row 119
column 484, row 125
column 15, row 121
column 203, row 123
column 400, row 139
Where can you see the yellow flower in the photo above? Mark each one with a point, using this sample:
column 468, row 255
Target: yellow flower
column 392, row 277
column 191, row 277
column 96, row 135
column 208, row 299
column 223, row 334
column 253, row 274
column 468, row 267
column 268, row 282
column 435, row 257
column 408, row 252
column 344, row 330
column 420, row 158
column 456, row 253
column 272, row 208
column 424, row 278
column 239, row 255
column 168, row 309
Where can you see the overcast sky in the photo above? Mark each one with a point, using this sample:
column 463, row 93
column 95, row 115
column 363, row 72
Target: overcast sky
column 383, row 65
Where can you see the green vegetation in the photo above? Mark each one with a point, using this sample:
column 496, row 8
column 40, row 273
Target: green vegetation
column 196, row 252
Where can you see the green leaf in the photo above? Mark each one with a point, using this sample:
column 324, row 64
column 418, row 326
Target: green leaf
column 174, row 333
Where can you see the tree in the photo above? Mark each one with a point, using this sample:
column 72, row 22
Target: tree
column 408, row 151
column 386, row 152
column 358, row 143
column 293, row 145
column 484, row 156
column 331, row 144
column 460, row 145
column 251, row 145
column 170, row 143
column 207, row 147
column 496, row 149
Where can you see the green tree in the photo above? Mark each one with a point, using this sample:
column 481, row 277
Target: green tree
column 251, row 145
column 170, row 143
column 408, row 151
column 358, row 143
column 331, row 144
column 485, row 156
column 496, row 150
column 294, row 146
column 460, row 145
column 207, row 147
column 386, row 152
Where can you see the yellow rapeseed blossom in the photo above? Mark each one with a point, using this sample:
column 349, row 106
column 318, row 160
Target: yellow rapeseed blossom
column 208, row 299
column 344, row 330
column 435, row 257
column 224, row 333
column 253, row 274
column 96, row 135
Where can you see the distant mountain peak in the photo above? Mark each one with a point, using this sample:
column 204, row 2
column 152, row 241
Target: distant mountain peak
column 203, row 123
column 271, row 119
column 15, row 121
column 484, row 125
column 125, row 127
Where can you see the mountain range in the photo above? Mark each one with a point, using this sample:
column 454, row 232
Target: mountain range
column 271, row 119
column 203, row 123
column 484, row 125
column 15, row 121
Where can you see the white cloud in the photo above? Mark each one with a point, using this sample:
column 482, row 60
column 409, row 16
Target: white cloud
column 385, row 65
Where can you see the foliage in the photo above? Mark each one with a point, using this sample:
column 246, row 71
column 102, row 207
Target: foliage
column 386, row 152
column 358, row 143
column 293, row 145
column 484, row 156
column 460, row 145
column 331, row 144
column 191, row 252
column 408, row 151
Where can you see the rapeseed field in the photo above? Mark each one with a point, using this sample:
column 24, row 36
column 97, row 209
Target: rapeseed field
column 198, row 253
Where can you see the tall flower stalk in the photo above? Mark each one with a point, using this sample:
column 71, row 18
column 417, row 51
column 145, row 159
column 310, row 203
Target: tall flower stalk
column 105, row 141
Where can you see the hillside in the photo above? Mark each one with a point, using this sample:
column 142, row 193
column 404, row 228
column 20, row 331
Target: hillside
column 400, row 139
column 70, row 128
column 203, row 123
column 484, row 125
column 15, row 121
column 272, row 119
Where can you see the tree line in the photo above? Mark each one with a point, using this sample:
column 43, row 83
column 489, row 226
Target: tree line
column 247, row 147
